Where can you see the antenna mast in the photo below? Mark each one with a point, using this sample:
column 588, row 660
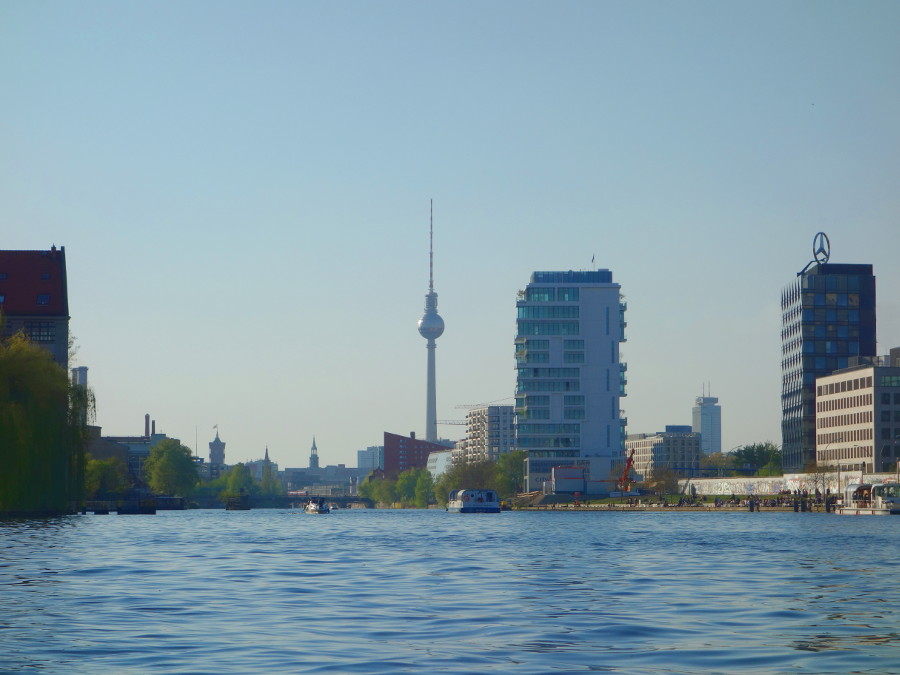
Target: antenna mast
column 431, row 245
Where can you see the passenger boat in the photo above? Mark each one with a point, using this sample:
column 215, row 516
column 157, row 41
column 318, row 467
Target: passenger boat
column 473, row 501
column 315, row 506
column 868, row 499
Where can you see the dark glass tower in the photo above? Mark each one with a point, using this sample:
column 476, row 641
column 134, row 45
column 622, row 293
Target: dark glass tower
column 827, row 317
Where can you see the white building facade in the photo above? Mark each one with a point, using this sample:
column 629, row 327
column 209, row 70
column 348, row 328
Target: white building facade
column 569, row 377
column 707, row 421
column 858, row 416
column 677, row 449
column 490, row 432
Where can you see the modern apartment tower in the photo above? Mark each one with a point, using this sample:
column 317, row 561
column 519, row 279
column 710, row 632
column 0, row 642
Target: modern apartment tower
column 431, row 327
column 707, row 421
column 569, row 377
column 828, row 317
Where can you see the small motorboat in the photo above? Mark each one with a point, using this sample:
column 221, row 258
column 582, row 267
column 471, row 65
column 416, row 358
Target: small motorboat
column 316, row 506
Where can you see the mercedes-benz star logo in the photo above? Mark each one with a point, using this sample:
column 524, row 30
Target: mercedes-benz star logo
column 821, row 248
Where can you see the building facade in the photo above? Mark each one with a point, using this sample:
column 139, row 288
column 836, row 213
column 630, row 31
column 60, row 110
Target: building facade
column 569, row 378
column 828, row 317
column 707, row 421
column 34, row 299
column 677, row 449
column 858, row 416
column 371, row 458
column 490, row 432
column 402, row 453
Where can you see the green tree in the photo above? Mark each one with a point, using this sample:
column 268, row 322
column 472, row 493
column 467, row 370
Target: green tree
column 760, row 459
column 105, row 478
column 42, row 431
column 512, row 469
column 270, row 486
column 239, row 480
column 170, row 469
column 424, row 493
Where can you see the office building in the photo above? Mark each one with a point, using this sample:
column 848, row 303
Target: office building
column 828, row 317
column 34, row 299
column 490, row 432
column 569, row 378
column 371, row 458
column 675, row 450
column 858, row 416
column 707, row 421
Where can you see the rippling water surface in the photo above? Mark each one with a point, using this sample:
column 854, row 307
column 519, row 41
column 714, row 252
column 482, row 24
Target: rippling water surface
column 271, row 591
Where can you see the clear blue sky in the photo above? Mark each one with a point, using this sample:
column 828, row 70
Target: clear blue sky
column 242, row 190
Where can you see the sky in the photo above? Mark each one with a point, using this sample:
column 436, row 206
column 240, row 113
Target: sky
column 243, row 188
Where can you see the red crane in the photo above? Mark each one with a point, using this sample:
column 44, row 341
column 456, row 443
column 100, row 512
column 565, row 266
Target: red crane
column 624, row 483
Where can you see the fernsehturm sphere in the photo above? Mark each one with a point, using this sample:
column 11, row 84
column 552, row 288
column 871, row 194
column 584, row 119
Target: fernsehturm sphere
column 431, row 327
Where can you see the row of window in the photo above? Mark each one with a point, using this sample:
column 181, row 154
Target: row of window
column 41, row 299
column 544, row 357
column 547, row 385
column 549, row 372
column 549, row 428
column 845, row 385
column 831, row 347
column 548, row 327
column 844, row 420
column 836, row 282
column 831, row 315
column 40, row 331
column 551, row 294
column 843, row 403
column 845, row 436
column 549, row 442
column 549, row 312
column 890, row 381
column 830, row 300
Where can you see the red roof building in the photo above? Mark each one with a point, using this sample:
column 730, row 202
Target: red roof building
column 34, row 298
column 402, row 453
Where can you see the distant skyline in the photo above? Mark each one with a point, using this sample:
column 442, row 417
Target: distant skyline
column 243, row 192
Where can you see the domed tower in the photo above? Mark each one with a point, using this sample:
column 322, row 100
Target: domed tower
column 431, row 327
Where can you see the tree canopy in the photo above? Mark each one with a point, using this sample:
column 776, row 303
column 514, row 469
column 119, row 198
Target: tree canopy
column 170, row 469
column 42, row 431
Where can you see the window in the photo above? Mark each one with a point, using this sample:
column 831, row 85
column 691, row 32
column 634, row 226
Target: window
column 45, row 276
column 40, row 331
column 43, row 299
column 2, row 299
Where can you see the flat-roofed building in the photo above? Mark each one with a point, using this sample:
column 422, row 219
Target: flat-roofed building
column 569, row 378
column 490, row 432
column 858, row 416
column 676, row 449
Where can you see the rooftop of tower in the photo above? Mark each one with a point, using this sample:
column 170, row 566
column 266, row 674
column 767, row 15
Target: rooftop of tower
column 571, row 277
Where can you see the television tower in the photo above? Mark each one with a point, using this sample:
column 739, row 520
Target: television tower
column 431, row 327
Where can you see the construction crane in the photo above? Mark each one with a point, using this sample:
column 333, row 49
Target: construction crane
column 624, row 483
column 470, row 406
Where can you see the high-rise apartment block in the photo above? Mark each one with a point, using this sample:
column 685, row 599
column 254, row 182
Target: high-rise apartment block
column 707, row 421
column 490, row 432
column 569, row 377
column 828, row 317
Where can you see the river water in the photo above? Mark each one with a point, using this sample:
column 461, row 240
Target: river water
column 372, row 591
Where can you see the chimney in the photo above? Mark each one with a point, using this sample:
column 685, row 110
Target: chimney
column 153, row 428
column 412, row 434
column 147, row 425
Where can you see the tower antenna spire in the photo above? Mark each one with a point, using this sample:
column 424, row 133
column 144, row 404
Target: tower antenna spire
column 431, row 245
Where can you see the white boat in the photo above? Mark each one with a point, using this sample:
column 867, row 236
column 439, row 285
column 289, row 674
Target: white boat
column 870, row 499
column 315, row 506
column 473, row 501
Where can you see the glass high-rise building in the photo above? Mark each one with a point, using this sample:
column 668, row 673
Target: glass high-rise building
column 707, row 421
column 569, row 377
column 828, row 317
